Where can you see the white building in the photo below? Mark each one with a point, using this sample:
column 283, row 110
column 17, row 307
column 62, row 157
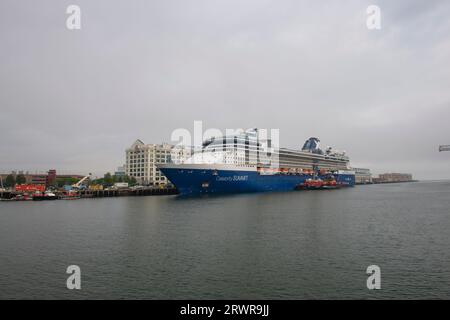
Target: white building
column 141, row 160
column 362, row 175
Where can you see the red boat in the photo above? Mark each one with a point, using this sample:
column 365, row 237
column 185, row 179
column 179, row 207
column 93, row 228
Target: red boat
column 316, row 184
column 311, row 184
column 331, row 184
column 70, row 195
column 23, row 197
column 38, row 196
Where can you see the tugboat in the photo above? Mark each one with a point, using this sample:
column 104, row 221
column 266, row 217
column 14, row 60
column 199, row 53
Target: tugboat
column 318, row 184
column 70, row 195
column 311, row 184
column 330, row 183
column 48, row 195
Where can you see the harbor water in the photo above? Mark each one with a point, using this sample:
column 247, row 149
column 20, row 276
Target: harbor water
column 292, row 245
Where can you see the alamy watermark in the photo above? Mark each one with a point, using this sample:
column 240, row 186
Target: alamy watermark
column 373, row 21
column 374, row 279
column 74, row 280
column 73, row 21
column 214, row 145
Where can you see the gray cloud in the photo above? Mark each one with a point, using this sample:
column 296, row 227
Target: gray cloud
column 74, row 100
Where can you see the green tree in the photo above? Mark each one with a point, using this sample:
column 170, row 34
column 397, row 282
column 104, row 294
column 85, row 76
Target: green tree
column 60, row 182
column 98, row 181
column 108, row 180
column 10, row 181
column 131, row 180
column 20, row 179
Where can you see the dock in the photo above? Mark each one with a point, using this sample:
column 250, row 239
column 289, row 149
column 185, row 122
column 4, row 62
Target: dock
column 128, row 192
column 111, row 193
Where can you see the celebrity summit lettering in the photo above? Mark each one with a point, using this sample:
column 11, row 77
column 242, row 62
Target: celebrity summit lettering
column 232, row 178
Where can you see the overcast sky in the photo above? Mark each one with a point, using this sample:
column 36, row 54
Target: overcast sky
column 74, row 100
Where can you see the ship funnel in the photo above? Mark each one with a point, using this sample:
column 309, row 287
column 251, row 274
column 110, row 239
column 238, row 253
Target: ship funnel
column 312, row 145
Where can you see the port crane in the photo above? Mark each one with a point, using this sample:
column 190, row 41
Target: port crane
column 444, row 148
column 80, row 183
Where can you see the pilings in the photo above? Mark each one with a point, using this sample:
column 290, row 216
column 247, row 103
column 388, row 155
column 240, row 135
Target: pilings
column 6, row 195
column 128, row 192
column 110, row 193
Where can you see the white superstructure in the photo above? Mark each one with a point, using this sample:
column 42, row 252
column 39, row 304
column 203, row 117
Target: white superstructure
column 246, row 149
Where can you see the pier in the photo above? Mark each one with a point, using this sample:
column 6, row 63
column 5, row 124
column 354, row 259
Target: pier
column 110, row 193
column 128, row 192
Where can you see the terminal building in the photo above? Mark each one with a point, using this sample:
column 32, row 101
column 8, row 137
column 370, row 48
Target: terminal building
column 394, row 177
column 362, row 176
column 141, row 160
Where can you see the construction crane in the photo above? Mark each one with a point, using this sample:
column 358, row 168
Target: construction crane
column 444, row 148
column 79, row 184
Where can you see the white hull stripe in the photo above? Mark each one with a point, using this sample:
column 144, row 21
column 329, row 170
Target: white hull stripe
column 203, row 166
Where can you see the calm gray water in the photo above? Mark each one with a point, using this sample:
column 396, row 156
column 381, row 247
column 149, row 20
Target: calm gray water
column 297, row 245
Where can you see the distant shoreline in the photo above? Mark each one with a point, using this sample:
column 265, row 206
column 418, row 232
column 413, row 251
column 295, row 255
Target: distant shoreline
column 388, row 182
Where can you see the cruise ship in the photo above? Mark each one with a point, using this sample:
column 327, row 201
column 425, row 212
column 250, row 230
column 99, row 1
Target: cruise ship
column 245, row 163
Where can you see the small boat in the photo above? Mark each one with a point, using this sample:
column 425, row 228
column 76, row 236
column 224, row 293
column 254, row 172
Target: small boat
column 38, row 196
column 23, row 197
column 70, row 195
column 310, row 184
column 330, row 184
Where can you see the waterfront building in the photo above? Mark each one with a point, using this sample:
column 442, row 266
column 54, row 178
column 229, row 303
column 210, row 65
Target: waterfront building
column 395, row 177
column 362, row 176
column 51, row 178
column 120, row 172
column 48, row 179
column 37, row 179
column 141, row 160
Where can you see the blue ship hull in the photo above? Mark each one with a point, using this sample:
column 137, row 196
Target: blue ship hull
column 196, row 181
